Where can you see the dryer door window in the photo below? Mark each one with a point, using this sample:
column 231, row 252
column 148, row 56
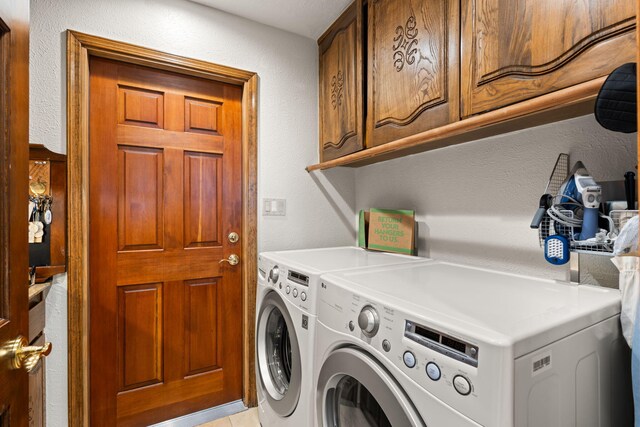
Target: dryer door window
column 353, row 405
column 359, row 391
column 279, row 367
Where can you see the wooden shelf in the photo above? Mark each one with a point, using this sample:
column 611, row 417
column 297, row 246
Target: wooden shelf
column 40, row 152
column 38, row 288
column 563, row 104
column 46, row 272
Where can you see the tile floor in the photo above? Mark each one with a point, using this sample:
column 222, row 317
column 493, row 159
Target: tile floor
column 248, row 418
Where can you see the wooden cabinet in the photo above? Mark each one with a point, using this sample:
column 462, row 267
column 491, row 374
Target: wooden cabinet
column 442, row 72
column 340, row 92
column 412, row 72
column 513, row 50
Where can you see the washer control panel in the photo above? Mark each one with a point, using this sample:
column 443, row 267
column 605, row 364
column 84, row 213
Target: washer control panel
column 442, row 343
column 438, row 360
column 291, row 284
column 433, row 359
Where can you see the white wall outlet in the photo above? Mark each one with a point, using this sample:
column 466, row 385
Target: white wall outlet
column 274, row 207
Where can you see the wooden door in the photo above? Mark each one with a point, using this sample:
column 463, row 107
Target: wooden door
column 341, row 111
column 413, row 78
column 165, row 192
column 513, row 50
column 14, row 155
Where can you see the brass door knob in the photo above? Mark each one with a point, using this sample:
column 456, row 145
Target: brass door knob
column 233, row 259
column 23, row 355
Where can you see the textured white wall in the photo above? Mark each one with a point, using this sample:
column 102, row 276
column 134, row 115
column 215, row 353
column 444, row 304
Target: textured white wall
column 319, row 207
column 474, row 202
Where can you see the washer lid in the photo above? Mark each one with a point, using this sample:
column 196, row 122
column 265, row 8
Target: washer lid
column 498, row 308
column 316, row 261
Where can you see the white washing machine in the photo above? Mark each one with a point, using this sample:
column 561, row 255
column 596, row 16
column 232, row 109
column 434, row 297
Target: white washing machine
column 285, row 326
column 446, row 345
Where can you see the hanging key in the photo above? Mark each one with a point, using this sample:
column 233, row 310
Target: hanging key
column 34, row 212
column 47, row 210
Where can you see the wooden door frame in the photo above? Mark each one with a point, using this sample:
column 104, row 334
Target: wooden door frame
column 79, row 48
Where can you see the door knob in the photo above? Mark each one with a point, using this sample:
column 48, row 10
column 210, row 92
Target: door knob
column 23, row 355
column 233, row 259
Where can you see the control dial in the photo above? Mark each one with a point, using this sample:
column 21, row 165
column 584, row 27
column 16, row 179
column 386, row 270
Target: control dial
column 369, row 321
column 274, row 274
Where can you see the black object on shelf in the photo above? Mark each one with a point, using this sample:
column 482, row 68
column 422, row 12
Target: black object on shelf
column 40, row 253
column 616, row 107
column 630, row 189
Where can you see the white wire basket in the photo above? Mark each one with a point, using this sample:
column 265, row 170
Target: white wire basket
column 602, row 246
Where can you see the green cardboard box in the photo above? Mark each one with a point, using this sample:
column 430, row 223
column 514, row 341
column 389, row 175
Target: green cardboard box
column 388, row 230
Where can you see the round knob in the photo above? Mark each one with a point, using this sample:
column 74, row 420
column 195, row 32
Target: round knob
column 274, row 274
column 409, row 359
column 369, row 321
column 462, row 385
column 433, row 371
column 295, row 292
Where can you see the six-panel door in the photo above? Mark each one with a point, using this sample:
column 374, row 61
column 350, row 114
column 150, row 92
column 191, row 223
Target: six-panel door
column 165, row 191
column 14, row 172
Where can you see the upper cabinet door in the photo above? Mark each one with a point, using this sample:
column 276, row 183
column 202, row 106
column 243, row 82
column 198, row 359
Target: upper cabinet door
column 341, row 122
column 513, row 50
column 413, row 77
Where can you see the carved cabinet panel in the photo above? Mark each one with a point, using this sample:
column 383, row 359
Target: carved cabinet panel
column 413, row 79
column 513, row 50
column 340, row 92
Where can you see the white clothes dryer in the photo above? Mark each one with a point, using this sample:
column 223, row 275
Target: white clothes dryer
column 447, row 345
column 286, row 304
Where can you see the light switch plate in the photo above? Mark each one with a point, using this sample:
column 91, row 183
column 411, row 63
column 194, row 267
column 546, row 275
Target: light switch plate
column 274, row 207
